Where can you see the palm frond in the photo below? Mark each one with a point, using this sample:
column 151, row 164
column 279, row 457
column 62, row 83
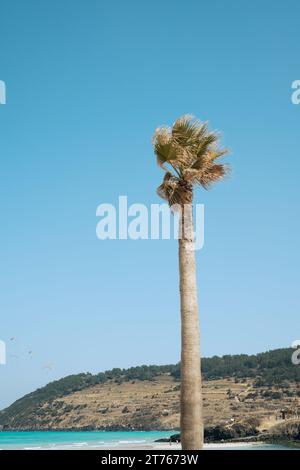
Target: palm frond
column 187, row 130
column 167, row 187
column 216, row 152
column 209, row 158
column 163, row 146
column 204, row 144
column 210, row 174
column 184, row 158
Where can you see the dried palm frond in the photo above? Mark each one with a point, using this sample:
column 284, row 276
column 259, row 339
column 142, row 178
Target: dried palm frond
column 165, row 148
column 210, row 174
column 175, row 190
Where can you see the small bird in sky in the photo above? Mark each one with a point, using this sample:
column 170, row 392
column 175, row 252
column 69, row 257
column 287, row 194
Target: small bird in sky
column 48, row 366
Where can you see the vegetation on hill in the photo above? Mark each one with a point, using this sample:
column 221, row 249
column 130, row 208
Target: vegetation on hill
column 268, row 368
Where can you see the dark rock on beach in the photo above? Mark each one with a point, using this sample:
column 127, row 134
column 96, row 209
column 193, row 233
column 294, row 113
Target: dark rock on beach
column 173, row 438
column 227, row 432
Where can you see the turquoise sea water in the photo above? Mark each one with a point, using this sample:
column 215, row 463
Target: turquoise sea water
column 93, row 440
column 77, row 440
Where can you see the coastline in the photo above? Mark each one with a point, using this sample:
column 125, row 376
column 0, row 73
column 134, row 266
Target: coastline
column 118, row 441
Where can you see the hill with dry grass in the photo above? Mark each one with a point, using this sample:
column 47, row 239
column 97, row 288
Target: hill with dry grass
column 147, row 397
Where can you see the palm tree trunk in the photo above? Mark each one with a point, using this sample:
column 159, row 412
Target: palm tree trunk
column 191, row 388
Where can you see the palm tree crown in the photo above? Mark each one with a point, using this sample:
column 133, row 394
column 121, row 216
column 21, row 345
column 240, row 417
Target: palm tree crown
column 189, row 153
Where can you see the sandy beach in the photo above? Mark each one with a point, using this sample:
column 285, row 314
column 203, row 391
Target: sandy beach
column 176, row 447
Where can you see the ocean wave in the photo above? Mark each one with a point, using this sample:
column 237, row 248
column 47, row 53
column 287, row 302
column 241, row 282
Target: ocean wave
column 32, row 448
column 132, row 442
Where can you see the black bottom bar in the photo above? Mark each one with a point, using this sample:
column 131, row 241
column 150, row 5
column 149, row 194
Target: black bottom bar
column 135, row 459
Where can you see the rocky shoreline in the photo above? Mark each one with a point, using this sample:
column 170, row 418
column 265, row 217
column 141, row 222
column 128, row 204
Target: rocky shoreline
column 287, row 433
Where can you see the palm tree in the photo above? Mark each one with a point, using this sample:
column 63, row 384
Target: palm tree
column 189, row 154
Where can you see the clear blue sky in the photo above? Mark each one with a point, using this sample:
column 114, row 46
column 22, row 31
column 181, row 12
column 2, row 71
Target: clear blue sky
column 87, row 83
